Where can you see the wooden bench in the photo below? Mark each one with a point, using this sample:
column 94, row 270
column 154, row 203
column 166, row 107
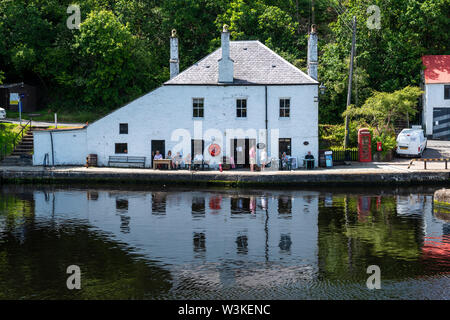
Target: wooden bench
column 126, row 161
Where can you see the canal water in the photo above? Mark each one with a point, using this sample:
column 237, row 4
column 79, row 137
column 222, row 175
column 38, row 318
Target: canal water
column 137, row 243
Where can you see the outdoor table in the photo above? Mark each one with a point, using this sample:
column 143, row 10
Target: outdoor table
column 306, row 163
column 162, row 161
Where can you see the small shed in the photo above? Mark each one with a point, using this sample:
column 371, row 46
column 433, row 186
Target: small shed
column 9, row 94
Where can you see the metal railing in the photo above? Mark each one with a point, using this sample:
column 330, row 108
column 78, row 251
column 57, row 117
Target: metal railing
column 345, row 155
column 446, row 160
column 16, row 138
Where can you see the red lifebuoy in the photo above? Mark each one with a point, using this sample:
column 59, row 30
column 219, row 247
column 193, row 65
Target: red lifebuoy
column 214, row 150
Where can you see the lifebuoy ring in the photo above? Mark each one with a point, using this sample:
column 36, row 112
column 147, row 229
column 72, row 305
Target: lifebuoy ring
column 214, row 150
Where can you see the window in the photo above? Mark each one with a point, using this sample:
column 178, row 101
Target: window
column 121, row 148
column 123, row 128
column 285, row 106
column 198, row 107
column 241, row 108
column 284, row 146
column 447, row 92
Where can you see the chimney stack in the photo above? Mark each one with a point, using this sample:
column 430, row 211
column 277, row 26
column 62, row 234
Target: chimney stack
column 226, row 67
column 174, row 61
column 313, row 60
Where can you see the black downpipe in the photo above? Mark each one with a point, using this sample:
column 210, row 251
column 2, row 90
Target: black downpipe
column 267, row 121
column 53, row 153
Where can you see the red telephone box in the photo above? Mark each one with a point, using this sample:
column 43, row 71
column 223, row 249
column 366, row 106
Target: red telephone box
column 364, row 145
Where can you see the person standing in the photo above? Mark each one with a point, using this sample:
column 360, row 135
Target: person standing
column 263, row 159
column 252, row 156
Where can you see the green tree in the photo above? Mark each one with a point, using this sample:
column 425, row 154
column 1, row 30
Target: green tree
column 110, row 60
column 382, row 108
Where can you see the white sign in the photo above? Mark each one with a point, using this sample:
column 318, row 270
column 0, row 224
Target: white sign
column 14, row 98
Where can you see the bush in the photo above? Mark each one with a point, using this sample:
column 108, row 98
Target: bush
column 389, row 142
column 333, row 135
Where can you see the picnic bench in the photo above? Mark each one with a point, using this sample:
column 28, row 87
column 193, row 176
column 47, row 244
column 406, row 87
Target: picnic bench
column 127, row 161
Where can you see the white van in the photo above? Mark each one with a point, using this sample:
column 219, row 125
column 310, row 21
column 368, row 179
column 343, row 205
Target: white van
column 2, row 113
column 411, row 142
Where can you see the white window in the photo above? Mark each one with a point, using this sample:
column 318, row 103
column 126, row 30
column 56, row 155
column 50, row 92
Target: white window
column 198, row 107
column 241, row 108
column 285, row 108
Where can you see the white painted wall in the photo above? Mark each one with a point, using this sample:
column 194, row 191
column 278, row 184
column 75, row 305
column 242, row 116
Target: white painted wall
column 167, row 111
column 69, row 147
column 433, row 98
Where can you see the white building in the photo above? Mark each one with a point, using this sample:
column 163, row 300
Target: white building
column 436, row 99
column 240, row 95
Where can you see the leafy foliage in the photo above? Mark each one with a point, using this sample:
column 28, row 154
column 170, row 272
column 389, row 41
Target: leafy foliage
column 382, row 109
column 122, row 47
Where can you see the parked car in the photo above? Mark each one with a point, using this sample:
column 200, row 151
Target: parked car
column 411, row 143
column 2, row 113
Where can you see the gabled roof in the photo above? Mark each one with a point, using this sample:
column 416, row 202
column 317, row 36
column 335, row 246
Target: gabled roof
column 254, row 64
column 437, row 69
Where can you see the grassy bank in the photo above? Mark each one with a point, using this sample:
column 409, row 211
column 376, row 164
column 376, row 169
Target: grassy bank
column 8, row 132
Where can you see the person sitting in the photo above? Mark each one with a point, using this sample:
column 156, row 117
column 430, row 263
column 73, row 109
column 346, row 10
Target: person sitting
column 169, row 157
column 310, row 160
column 198, row 160
column 284, row 160
column 177, row 160
column 158, row 156
column 187, row 161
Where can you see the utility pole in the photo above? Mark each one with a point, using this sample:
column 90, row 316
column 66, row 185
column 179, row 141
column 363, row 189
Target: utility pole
column 350, row 80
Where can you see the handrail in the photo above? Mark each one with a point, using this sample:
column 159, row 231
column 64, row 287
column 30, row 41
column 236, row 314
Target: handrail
column 21, row 133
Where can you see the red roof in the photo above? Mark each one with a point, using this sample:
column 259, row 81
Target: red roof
column 437, row 69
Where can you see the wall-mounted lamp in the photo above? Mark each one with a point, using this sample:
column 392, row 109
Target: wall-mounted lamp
column 322, row 88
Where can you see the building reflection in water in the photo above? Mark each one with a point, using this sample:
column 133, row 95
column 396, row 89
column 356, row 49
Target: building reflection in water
column 285, row 243
column 285, row 206
column 122, row 210
column 199, row 241
column 198, row 206
column 242, row 244
column 339, row 237
column 158, row 203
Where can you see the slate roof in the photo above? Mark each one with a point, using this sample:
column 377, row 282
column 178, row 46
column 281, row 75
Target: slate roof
column 254, row 64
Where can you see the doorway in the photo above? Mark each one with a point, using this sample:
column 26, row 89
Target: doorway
column 241, row 148
column 441, row 123
column 159, row 145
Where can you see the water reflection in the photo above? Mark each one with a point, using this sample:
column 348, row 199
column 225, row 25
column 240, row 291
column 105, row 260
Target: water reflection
column 219, row 243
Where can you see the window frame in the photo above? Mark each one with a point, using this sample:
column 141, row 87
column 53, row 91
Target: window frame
column 196, row 107
column 446, row 92
column 116, row 145
column 121, row 125
column 284, row 108
column 241, row 109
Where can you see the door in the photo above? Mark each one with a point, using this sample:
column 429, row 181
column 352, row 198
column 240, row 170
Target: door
column 241, row 148
column 159, row 145
column 441, row 123
column 197, row 147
